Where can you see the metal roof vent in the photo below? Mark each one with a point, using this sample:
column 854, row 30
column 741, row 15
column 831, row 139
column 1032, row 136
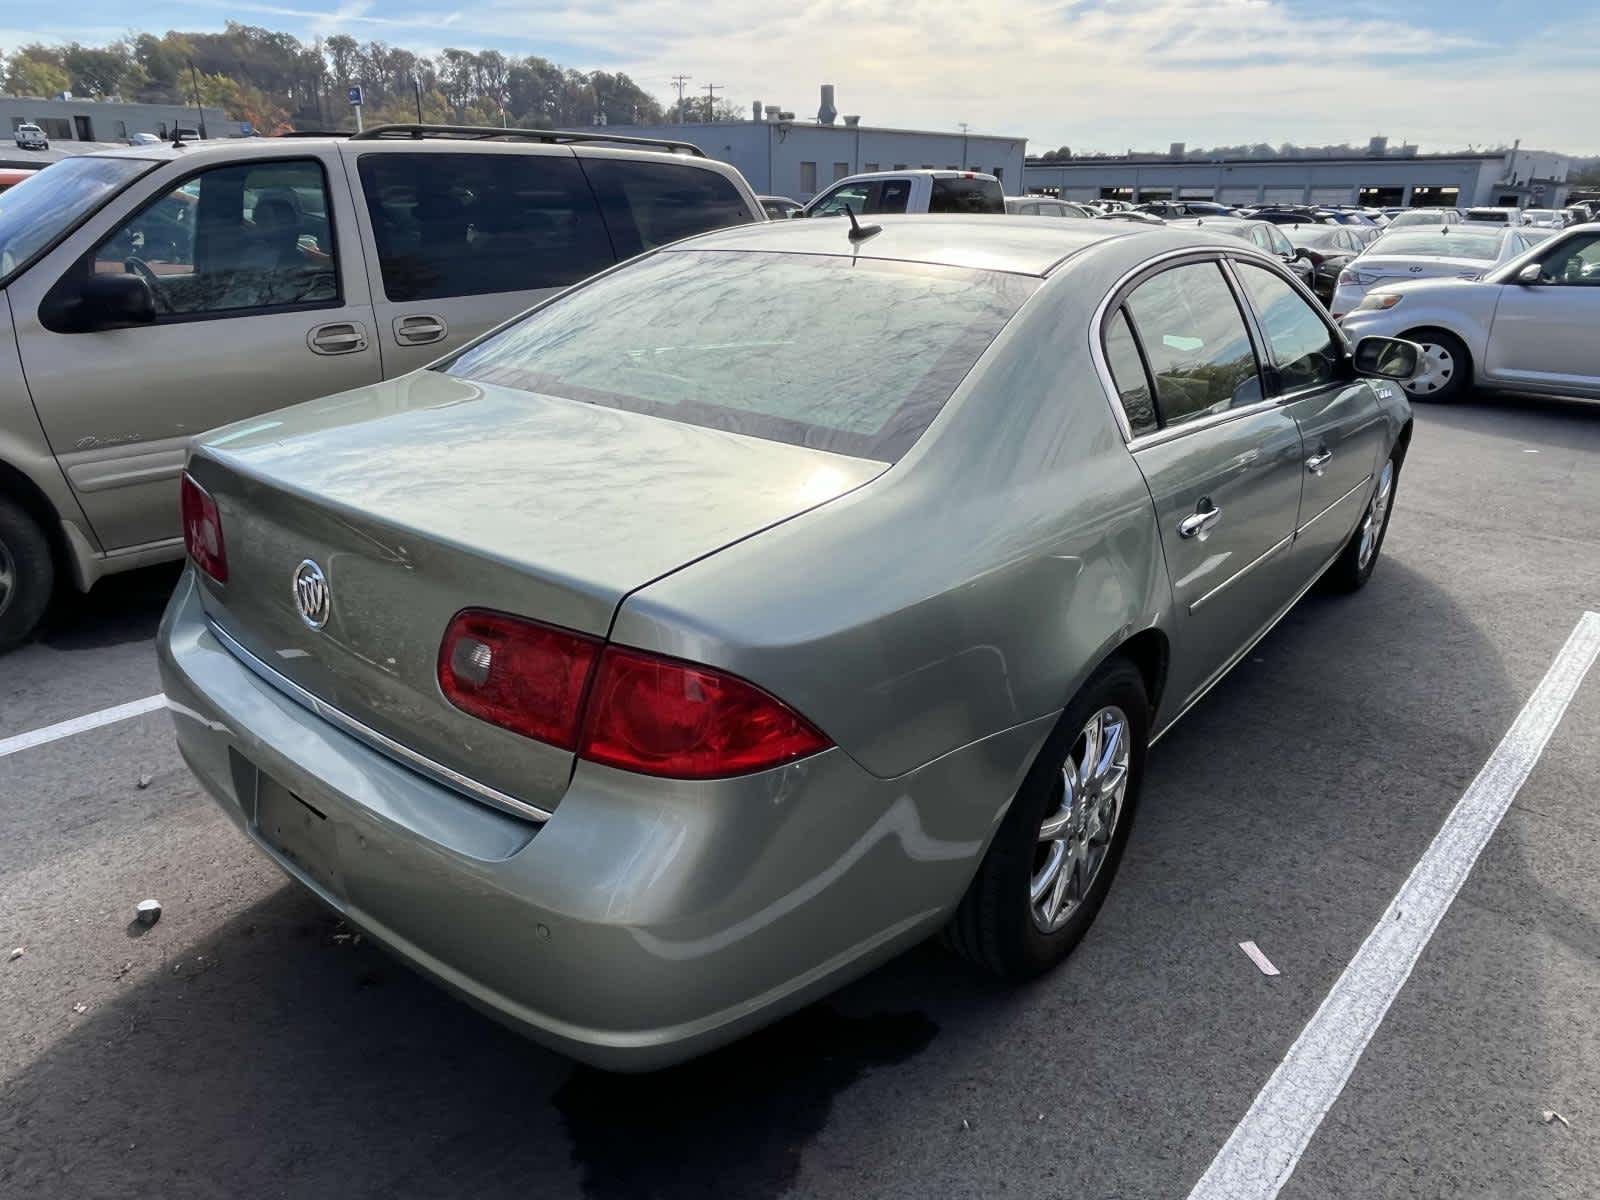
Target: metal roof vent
column 826, row 112
column 853, row 120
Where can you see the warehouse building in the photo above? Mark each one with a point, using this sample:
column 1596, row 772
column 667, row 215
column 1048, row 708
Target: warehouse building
column 1513, row 178
column 783, row 156
column 84, row 120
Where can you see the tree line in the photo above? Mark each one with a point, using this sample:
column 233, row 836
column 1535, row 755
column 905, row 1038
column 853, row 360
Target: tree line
column 278, row 83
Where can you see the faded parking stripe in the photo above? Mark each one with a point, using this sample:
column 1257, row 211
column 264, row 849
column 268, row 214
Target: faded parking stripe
column 94, row 720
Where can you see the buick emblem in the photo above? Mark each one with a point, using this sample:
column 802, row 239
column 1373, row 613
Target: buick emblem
column 312, row 597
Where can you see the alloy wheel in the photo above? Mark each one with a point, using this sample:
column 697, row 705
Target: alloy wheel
column 1377, row 510
column 1435, row 370
column 1077, row 831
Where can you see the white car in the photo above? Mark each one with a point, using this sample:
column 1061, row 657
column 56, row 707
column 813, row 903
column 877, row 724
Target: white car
column 1045, row 206
column 1463, row 251
column 1545, row 218
column 909, row 192
column 1433, row 218
column 31, row 137
column 1496, row 216
column 1526, row 326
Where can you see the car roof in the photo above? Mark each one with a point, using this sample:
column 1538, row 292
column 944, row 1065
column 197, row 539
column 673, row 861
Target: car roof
column 931, row 174
column 271, row 147
column 1019, row 245
column 1219, row 221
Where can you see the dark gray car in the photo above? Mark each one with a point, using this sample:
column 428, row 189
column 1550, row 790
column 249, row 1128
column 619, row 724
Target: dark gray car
column 752, row 611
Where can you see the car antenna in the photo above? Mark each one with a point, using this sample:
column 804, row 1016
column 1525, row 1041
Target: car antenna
column 858, row 231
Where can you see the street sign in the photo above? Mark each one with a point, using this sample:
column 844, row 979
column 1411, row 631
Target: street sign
column 355, row 95
column 247, row 129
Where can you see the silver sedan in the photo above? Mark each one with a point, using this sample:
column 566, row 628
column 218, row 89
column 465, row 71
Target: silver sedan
column 1526, row 326
column 756, row 609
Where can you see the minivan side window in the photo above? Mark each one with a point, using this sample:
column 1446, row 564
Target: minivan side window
column 235, row 238
column 490, row 223
column 1196, row 343
column 1302, row 345
column 648, row 204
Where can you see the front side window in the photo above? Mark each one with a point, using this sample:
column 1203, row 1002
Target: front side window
column 47, row 204
column 1302, row 346
column 474, row 224
column 648, row 204
column 1196, row 343
column 854, row 357
column 852, row 196
column 1575, row 263
column 866, row 198
column 250, row 236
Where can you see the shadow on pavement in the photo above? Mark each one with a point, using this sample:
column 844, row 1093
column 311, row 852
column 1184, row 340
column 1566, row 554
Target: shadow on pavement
column 117, row 610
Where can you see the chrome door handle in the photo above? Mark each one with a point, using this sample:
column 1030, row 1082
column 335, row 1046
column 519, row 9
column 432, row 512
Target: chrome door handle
column 339, row 337
column 1316, row 462
column 1199, row 522
column 419, row 330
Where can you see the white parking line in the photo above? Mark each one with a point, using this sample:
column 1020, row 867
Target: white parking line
column 106, row 716
column 1261, row 1154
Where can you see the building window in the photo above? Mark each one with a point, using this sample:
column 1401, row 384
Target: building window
column 899, row 166
column 808, row 178
column 952, row 167
column 1155, row 193
column 1116, row 193
column 1508, row 200
column 870, row 167
column 1381, row 197
column 929, row 167
column 1434, row 197
column 840, row 170
column 122, row 129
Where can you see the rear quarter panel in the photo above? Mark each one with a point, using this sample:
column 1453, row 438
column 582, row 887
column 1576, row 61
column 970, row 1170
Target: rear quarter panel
column 970, row 588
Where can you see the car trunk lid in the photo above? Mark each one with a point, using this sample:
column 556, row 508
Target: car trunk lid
column 428, row 494
column 1388, row 269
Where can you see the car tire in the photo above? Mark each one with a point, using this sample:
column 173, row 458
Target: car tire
column 27, row 574
column 1002, row 924
column 1447, row 367
column 1355, row 564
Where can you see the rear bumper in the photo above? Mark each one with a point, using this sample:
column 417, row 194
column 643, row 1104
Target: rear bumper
column 647, row 921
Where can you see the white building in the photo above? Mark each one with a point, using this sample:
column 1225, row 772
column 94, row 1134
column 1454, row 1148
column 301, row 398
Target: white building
column 1519, row 178
column 783, row 156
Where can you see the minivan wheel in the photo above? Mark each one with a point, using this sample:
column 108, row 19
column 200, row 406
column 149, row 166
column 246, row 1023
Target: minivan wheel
column 1351, row 570
column 27, row 574
column 1445, row 370
column 1052, row 862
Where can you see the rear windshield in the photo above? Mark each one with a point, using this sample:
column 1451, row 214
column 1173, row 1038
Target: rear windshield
column 851, row 356
column 967, row 196
column 1435, row 243
column 1311, row 235
column 1498, row 216
column 39, row 210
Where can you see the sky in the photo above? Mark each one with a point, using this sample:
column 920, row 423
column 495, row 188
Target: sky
column 1104, row 75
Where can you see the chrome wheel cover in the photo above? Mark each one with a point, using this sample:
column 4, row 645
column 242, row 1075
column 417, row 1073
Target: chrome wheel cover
column 1435, row 370
column 1076, row 833
column 1377, row 510
column 8, row 577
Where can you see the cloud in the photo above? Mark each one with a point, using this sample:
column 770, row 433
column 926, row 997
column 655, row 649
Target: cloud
column 1092, row 74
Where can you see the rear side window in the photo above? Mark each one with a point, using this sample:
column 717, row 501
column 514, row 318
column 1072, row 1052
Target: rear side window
column 852, row 356
column 1127, row 370
column 967, row 196
column 471, row 224
column 1196, row 343
column 648, row 204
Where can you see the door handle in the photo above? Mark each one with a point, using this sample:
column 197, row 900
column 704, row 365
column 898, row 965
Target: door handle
column 1199, row 522
column 419, row 330
column 1317, row 461
column 338, row 337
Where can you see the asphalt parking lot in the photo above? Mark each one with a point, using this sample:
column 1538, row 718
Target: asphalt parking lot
column 248, row 1045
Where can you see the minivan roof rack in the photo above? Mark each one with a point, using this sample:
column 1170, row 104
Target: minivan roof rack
column 489, row 132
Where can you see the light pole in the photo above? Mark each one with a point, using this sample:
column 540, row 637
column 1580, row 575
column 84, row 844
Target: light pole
column 963, row 145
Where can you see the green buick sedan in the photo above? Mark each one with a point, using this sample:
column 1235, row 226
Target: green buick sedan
column 753, row 610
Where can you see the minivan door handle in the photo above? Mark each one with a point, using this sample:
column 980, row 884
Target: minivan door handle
column 338, row 337
column 1199, row 522
column 1317, row 461
column 419, row 330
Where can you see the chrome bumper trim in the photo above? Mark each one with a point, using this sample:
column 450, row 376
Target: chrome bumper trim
column 404, row 755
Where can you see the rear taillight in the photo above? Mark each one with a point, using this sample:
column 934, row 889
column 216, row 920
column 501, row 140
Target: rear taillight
column 624, row 708
column 518, row 674
column 202, row 530
column 660, row 716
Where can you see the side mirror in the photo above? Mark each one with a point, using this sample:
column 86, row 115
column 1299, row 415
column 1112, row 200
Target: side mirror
column 1531, row 274
column 1387, row 358
column 113, row 301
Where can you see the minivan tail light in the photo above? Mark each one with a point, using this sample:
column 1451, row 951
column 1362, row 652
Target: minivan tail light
column 202, row 530
column 661, row 716
column 522, row 675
